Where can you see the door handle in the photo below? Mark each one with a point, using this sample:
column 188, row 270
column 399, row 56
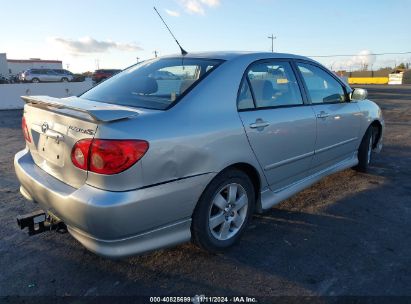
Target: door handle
column 259, row 124
column 323, row 114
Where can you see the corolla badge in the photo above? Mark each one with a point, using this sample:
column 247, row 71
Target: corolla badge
column 44, row 127
column 80, row 130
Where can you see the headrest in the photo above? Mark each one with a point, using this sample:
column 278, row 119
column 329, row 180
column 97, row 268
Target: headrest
column 263, row 89
column 146, row 86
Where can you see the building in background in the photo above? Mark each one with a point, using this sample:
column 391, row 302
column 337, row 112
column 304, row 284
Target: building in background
column 15, row 66
column 4, row 70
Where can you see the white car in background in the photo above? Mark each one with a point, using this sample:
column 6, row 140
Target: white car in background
column 46, row 75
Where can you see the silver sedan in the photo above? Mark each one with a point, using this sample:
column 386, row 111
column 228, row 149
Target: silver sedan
column 139, row 163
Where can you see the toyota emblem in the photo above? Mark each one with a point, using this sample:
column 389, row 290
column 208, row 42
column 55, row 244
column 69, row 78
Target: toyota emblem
column 44, row 127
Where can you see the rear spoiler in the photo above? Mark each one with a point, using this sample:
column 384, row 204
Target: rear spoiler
column 98, row 111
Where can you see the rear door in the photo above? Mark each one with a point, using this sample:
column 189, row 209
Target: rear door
column 280, row 126
column 338, row 119
column 53, row 76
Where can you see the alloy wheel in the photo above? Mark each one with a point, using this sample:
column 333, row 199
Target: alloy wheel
column 228, row 211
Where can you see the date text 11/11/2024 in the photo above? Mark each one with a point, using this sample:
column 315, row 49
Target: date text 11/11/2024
column 203, row 299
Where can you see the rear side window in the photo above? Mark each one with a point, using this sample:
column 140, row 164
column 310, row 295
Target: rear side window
column 322, row 87
column 154, row 84
column 273, row 84
column 245, row 99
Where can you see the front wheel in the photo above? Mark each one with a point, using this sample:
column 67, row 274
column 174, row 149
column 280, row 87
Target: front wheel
column 365, row 151
column 64, row 79
column 223, row 211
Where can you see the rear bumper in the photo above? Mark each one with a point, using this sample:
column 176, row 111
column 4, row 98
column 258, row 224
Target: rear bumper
column 115, row 224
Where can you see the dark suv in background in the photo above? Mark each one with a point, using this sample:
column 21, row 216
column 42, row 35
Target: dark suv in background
column 100, row 75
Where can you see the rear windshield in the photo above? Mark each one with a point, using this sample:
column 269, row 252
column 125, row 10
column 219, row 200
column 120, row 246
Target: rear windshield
column 154, row 84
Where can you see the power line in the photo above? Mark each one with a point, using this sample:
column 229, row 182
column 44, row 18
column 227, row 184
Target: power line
column 346, row 55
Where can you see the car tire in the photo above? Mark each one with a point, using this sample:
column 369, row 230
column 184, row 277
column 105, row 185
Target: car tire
column 35, row 80
column 365, row 151
column 223, row 211
column 64, row 79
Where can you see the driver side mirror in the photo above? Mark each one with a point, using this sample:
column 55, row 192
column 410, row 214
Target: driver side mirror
column 358, row 94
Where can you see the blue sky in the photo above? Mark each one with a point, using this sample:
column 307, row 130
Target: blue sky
column 114, row 33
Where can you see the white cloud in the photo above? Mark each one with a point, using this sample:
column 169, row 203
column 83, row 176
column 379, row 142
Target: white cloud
column 91, row 45
column 211, row 3
column 364, row 58
column 172, row 13
column 193, row 6
column 198, row 6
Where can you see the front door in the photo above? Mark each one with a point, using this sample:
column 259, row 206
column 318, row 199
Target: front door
column 281, row 129
column 338, row 120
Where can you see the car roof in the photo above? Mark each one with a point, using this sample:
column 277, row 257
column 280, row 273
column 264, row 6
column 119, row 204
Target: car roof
column 230, row 55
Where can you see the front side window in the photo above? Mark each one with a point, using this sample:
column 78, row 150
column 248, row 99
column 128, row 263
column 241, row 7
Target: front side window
column 154, row 84
column 322, row 87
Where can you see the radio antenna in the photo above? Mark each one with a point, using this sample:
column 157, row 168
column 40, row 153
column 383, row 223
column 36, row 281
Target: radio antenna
column 183, row 51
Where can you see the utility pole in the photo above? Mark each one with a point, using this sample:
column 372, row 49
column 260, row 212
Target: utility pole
column 155, row 53
column 272, row 42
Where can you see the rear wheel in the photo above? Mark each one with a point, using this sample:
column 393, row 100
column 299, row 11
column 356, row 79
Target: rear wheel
column 365, row 151
column 223, row 211
column 35, row 80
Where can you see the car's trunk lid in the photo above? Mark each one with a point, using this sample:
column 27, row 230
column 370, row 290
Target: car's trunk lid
column 55, row 125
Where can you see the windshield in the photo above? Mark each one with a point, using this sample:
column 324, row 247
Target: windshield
column 154, row 84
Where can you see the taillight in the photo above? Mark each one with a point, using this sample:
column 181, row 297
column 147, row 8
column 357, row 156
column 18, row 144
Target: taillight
column 108, row 157
column 26, row 132
column 80, row 153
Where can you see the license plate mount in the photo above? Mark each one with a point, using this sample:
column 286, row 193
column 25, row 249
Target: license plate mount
column 51, row 150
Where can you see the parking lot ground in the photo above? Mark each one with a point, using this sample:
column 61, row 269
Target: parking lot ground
column 347, row 235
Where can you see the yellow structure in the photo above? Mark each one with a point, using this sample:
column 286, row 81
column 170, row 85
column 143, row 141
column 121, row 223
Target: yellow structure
column 368, row 80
